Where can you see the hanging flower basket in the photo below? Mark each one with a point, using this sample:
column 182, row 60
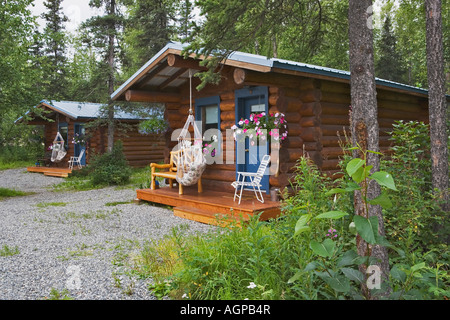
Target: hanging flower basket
column 263, row 127
column 79, row 139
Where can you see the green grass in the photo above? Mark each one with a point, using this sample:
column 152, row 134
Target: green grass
column 5, row 165
column 51, row 204
column 9, row 193
column 7, row 251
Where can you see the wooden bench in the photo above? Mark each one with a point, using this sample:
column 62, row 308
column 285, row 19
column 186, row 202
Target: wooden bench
column 170, row 174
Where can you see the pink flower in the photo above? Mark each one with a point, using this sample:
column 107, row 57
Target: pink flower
column 246, row 121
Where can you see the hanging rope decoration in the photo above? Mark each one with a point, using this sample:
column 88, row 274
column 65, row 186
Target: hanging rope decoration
column 191, row 161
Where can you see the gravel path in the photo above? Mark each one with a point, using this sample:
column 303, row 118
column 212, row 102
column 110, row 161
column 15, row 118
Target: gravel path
column 72, row 246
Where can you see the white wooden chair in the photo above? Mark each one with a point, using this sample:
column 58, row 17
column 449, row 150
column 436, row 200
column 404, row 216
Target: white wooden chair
column 254, row 182
column 76, row 160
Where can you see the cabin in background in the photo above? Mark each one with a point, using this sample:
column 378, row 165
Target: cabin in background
column 315, row 101
column 70, row 119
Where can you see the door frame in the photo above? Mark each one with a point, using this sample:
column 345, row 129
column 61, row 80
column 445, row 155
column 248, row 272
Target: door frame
column 75, row 147
column 240, row 96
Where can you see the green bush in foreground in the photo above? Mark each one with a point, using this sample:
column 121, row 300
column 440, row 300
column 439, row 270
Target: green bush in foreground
column 310, row 252
column 110, row 168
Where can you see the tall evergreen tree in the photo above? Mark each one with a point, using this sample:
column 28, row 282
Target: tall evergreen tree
column 55, row 45
column 104, row 34
column 150, row 25
column 185, row 19
column 389, row 64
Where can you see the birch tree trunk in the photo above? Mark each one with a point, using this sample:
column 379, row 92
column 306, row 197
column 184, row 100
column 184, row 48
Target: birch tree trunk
column 364, row 119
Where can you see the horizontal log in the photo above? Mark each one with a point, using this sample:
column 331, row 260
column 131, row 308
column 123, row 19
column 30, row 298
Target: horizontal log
column 311, row 121
column 172, row 106
column 290, row 154
column 224, row 166
column 335, row 119
column 293, row 105
column 340, row 98
column 280, row 181
column 331, row 164
column 310, row 95
column 396, row 96
column 384, row 112
column 331, row 130
column 331, row 141
column 312, row 146
column 294, row 129
column 227, row 105
column 398, row 105
column 224, row 125
column 219, row 175
column 273, row 99
column 334, row 87
column 332, row 152
column 293, row 142
column 292, row 117
column 310, row 109
column 227, row 116
column 310, row 133
column 148, row 96
column 335, row 108
column 227, row 96
column 177, row 61
column 287, row 167
column 249, row 77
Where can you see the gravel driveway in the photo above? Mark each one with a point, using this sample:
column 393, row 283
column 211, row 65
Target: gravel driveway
column 69, row 240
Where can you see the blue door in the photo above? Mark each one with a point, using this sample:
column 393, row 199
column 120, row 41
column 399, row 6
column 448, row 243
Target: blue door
column 80, row 131
column 250, row 101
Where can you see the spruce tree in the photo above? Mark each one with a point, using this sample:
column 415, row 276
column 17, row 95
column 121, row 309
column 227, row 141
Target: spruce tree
column 55, row 44
column 389, row 64
column 103, row 32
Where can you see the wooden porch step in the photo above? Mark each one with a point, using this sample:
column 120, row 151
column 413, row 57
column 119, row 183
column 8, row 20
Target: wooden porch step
column 57, row 174
column 206, row 216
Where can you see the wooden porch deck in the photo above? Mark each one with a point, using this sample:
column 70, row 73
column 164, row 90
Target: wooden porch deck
column 51, row 171
column 211, row 207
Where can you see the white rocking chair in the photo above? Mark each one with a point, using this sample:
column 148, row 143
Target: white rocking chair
column 254, row 182
column 76, row 160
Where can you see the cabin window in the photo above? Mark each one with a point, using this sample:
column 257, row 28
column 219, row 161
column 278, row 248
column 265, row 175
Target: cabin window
column 207, row 113
column 63, row 129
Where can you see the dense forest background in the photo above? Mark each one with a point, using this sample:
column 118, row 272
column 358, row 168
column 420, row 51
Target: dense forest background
column 49, row 62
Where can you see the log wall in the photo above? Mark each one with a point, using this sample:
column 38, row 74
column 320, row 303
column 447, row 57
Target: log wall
column 317, row 112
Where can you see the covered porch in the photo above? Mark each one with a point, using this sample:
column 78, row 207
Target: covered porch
column 211, row 207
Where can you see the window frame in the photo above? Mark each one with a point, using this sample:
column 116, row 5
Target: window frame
column 206, row 102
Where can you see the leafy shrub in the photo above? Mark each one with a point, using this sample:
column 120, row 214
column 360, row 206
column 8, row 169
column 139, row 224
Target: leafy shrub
column 110, row 168
column 415, row 214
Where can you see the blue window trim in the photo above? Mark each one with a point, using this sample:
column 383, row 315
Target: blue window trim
column 202, row 102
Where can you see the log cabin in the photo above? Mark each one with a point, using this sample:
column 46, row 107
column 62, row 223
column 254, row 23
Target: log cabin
column 70, row 118
column 315, row 101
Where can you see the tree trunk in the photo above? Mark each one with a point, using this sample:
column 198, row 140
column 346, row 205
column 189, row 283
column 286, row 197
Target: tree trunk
column 111, row 124
column 364, row 124
column 437, row 100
